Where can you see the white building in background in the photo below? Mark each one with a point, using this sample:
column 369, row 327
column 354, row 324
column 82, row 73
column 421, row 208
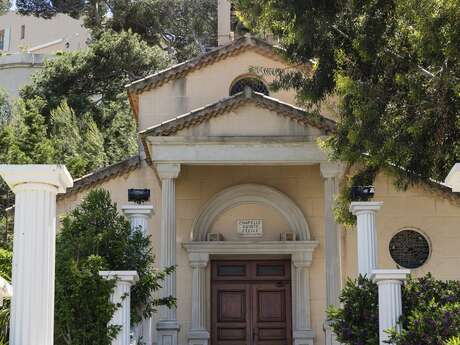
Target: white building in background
column 27, row 41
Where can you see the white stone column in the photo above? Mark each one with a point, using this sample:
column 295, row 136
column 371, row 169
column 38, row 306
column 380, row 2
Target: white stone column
column 303, row 334
column 331, row 172
column 199, row 334
column 138, row 215
column 390, row 300
column 122, row 295
column 34, row 243
column 365, row 212
column 167, row 325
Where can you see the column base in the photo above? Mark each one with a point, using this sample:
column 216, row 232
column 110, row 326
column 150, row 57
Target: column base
column 198, row 337
column 167, row 332
column 304, row 337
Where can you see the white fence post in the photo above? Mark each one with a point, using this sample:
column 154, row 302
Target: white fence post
column 138, row 216
column 122, row 295
column 390, row 301
column 34, row 243
column 365, row 212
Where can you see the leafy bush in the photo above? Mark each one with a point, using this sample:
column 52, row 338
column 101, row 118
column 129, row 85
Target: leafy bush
column 357, row 322
column 431, row 313
column 95, row 237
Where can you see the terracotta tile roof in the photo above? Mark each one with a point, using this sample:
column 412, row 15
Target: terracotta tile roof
column 103, row 174
column 231, row 103
column 180, row 70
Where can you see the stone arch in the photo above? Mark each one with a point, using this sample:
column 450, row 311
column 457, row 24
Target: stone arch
column 250, row 194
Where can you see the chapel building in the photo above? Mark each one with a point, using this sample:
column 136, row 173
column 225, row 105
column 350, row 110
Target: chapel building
column 242, row 201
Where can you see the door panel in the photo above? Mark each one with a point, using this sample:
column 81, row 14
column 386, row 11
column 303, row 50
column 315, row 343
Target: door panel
column 271, row 314
column 230, row 317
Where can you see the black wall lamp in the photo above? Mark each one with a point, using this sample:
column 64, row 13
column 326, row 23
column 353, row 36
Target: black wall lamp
column 362, row 193
column 138, row 195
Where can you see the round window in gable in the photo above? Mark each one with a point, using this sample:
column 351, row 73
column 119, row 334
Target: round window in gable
column 254, row 83
column 409, row 248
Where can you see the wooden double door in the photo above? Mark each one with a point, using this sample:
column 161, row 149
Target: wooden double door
column 251, row 302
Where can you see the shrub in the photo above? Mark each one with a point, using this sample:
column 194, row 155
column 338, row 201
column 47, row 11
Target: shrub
column 95, row 237
column 431, row 313
column 357, row 321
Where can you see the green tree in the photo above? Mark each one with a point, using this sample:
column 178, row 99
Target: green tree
column 66, row 139
column 395, row 66
column 5, row 106
column 93, row 145
column 183, row 27
column 90, row 80
column 24, row 138
column 95, row 237
column 120, row 138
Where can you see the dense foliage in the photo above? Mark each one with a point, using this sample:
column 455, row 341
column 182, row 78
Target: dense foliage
column 431, row 313
column 6, row 258
column 395, row 66
column 93, row 80
column 76, row 110
column 357, row 321
column 95, row 237
column 184, row 27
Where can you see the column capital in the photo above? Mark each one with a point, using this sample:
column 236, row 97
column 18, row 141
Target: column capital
column 36, row 176
column 122, row 276
column 198, row 260
column 302, row 259
column 357, row 207
column 168, row 170
column 331, row 169
column 137, row 209
column 386, row 275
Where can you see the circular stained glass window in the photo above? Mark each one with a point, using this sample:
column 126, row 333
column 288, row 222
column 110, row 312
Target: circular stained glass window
column 409, row 248
column 255, row 84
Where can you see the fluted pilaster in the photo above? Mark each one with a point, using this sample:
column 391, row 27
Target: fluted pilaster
column 331, row 173
column 390, row 301
column 365, row 212
column 302, row 333
column 167, row 325
column 122, row 295
column 32, row 305
column 199, row 334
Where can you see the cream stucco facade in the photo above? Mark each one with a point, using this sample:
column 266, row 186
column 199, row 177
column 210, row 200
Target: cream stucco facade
column 212, row 160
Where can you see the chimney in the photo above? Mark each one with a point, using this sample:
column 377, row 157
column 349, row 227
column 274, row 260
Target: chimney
column 224, row 34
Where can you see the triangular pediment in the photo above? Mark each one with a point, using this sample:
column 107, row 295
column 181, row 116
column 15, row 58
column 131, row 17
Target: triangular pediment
column 245, row 114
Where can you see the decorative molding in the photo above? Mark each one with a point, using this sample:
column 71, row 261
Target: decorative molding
column 389, row 274
column 331, row 169
column 168, row 170
column 226, row 151
column 137, row 209
column 36, row 175
column 301, row 251
column 357, row 207
column 250, row 194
